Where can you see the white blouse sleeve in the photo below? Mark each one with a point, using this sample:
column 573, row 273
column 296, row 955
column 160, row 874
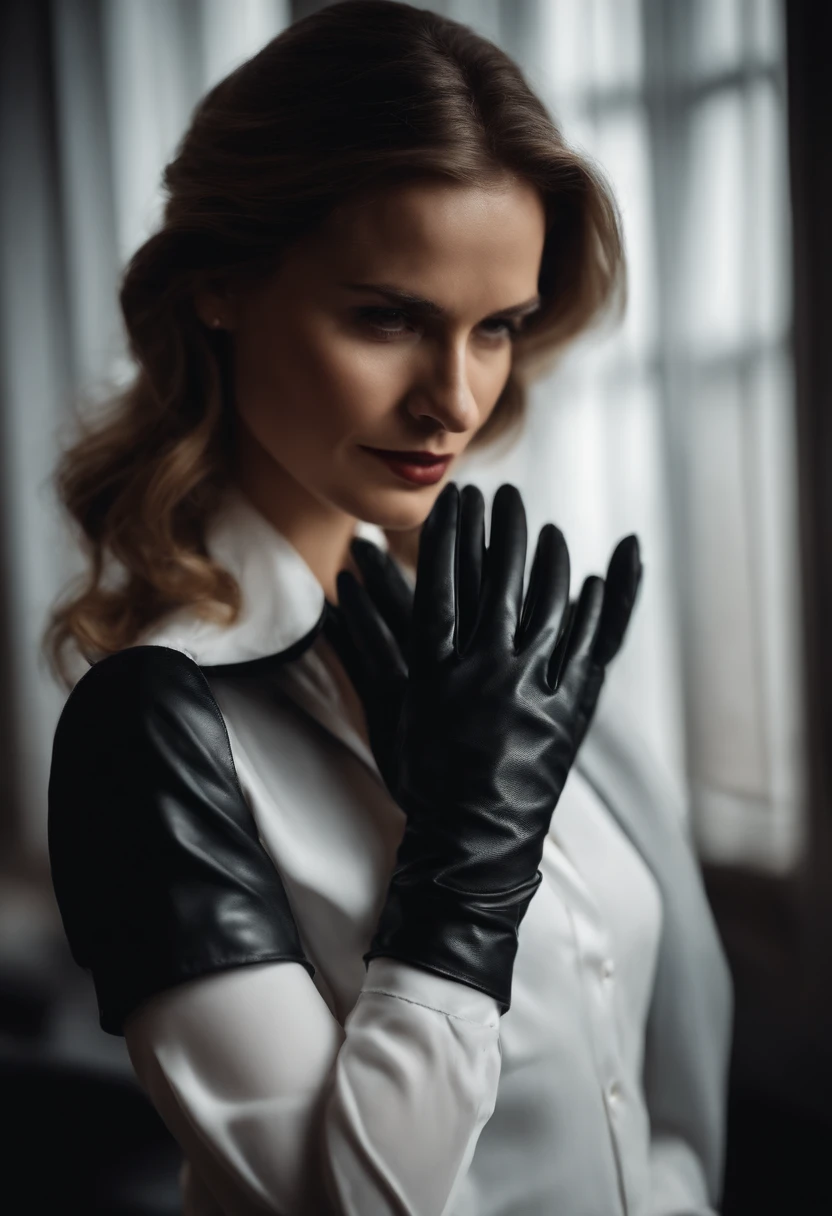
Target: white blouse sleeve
column 280, row 1109
column 677, row 1179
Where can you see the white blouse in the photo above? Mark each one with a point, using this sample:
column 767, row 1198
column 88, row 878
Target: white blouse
column 388, row 1089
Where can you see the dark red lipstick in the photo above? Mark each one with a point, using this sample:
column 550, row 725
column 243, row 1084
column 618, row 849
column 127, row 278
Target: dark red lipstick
column 418, row 468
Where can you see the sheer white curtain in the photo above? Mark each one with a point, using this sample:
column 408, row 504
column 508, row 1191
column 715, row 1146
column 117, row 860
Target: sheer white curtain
column 677, row 427
column 97, row 97
column 680, row 426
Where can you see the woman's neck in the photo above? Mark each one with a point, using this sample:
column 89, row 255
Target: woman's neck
column 321, row 533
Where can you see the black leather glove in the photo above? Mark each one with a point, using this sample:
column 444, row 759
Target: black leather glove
column 375, row 661
column 483, row 717
column 384, row 604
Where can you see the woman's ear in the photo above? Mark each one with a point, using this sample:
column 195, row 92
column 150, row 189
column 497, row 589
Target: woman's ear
column 215, row 306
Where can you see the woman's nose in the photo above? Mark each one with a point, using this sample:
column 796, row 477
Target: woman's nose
column 444, row 392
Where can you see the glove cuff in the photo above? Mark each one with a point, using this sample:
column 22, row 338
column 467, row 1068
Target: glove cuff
column 463, row 936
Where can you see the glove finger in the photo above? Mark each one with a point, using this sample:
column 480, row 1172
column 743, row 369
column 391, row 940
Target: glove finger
column 621, row 587
column 338, row 635
column 433, row 626
column 380, row 654
column 547, row 595
column 574, row 649
column 559, row 652
column 504, row 566
column 388, row 588
column 470, row 558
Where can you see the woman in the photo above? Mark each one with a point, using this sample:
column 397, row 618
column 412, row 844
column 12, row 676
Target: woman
column 301, row 811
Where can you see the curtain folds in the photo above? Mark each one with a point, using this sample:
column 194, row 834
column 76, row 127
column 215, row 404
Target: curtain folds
column 678, row 426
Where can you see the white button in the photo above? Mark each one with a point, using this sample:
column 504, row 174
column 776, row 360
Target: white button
column 614, row 1093
column 608, row 968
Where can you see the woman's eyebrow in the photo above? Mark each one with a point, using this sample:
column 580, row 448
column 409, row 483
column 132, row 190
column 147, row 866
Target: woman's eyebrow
column 419, row 304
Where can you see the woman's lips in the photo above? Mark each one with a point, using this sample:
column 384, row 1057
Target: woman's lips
column 414, row 467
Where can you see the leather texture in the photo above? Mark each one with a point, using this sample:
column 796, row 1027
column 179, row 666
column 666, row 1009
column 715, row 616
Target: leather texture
column 157, row 866
column 475, row 727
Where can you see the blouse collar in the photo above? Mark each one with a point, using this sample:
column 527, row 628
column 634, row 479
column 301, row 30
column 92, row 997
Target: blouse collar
column 283, row 607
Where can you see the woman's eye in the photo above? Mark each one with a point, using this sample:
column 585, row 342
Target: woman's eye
column 377, row 318
column 505, row 327
column 376, row 315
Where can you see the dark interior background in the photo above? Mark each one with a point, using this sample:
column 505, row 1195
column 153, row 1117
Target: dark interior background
column 777, row 930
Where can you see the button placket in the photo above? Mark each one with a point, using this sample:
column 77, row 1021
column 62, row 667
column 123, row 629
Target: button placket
column 597, row 968
column 608, row 995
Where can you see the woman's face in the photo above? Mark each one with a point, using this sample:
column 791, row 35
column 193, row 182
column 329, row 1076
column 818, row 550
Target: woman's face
column 327, row 365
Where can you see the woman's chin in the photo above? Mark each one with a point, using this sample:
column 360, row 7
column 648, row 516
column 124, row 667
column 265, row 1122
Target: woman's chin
column 399, row 512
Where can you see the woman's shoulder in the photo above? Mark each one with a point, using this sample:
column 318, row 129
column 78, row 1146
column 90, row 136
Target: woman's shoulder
column 140, row 732
column 156, row 862
column 140, row 737
column 121, row 690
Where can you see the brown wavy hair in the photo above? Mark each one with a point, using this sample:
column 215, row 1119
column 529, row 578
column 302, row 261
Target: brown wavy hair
column 360, row 94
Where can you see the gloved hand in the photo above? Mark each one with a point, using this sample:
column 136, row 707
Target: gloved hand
column 384, row 605
column 483, row 715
